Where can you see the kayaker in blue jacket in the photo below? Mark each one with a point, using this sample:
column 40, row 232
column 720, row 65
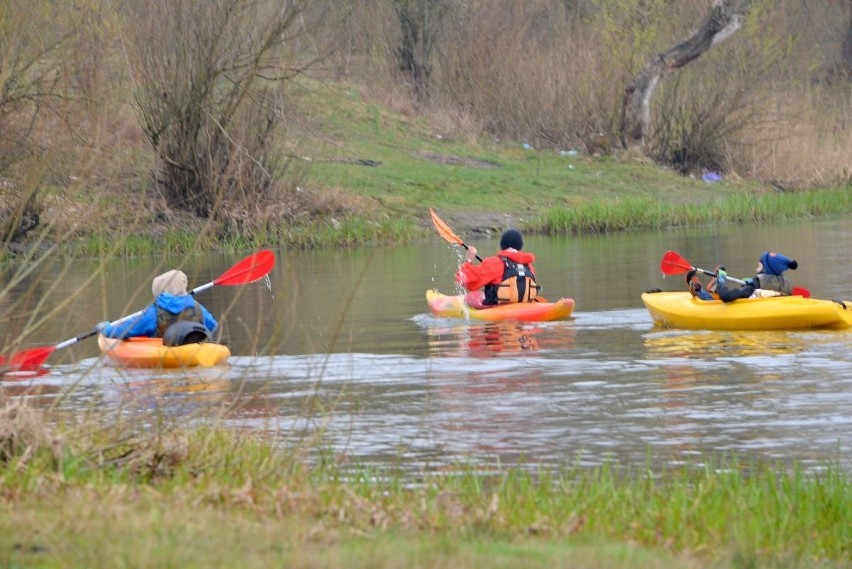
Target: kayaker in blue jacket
column 171, row 304
column 769, row 281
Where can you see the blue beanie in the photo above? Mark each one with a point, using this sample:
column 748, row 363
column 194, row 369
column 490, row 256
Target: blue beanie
column 776, row 263
column 512, row 239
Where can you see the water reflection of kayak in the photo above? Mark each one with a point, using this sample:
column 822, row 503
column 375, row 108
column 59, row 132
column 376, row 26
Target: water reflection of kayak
column 705, row 344
column 151, row 353
column 682, row 310
column 455, row 307
column 485, row 339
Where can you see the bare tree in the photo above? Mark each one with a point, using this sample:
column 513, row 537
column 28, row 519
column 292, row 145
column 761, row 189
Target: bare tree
column 30, row 77
column 723, row 20
column 846, row 46
column 205, row 74
column 420, row 24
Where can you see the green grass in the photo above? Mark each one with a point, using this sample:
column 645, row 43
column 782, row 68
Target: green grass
column 389, row 222
column 351, row 232
column 646, row 213
column 88, row 496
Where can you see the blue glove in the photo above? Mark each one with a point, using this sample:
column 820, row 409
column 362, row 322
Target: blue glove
column 101, row 326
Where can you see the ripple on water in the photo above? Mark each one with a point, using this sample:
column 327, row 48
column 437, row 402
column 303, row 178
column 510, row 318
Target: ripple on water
column 601, row 386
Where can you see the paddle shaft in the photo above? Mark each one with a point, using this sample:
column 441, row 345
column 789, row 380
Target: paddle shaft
column 478, row 258
column 712, row 274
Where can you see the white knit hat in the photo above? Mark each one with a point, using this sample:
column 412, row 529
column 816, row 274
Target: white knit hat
column 172, row 282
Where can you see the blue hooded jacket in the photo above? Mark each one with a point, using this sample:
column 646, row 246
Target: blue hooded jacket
column 771, row 278
column 776, row 263
column 146, row 324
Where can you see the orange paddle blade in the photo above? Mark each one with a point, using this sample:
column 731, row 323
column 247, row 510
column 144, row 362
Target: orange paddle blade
column 444, row 229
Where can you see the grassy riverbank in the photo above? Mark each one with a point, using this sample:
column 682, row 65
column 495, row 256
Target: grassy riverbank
column 367, row 172
column 88, row 496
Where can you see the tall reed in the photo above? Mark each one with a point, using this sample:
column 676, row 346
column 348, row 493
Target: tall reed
column 646, row 213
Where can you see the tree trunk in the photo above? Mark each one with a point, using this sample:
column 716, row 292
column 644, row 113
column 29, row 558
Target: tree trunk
column 723, row 20
column 420, row 22
column 847, row 43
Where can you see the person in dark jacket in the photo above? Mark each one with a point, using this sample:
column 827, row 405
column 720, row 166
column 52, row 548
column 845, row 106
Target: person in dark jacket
column 171, row 304
column 769, row 281
column 505, row 278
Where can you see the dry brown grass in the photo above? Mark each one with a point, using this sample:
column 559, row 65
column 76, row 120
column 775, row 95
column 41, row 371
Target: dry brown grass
column 808, row 143
column 24, row 433
column 545, row 73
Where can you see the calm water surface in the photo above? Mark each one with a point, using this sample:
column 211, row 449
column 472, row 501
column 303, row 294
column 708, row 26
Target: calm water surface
column 339, row 344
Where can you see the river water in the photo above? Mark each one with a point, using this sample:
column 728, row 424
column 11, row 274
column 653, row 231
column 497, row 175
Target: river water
column 336, row 350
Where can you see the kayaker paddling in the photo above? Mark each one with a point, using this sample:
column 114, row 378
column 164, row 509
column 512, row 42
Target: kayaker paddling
column 505, row 278
column 175, row 315
column 695, row 288
column 769, row 281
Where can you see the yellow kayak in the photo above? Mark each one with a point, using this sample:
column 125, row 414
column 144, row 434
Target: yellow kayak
column 682, row 310
column 455, row 307
column 151, row 353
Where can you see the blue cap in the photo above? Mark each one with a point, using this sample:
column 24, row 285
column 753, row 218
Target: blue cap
column 776, row 263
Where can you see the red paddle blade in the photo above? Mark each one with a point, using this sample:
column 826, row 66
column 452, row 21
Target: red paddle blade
column 674, row 264
column 30, row 359
column 251, row 269
column 801, row 291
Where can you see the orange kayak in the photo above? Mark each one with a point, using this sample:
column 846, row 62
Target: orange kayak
column 455, row 307
column 151, row 353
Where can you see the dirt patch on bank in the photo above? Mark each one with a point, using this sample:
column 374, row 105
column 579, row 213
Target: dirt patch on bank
column 478, row 223
column 453, row 160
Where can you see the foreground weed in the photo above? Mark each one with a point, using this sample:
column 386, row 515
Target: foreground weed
column 726, row 509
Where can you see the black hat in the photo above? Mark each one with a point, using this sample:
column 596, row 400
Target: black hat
column 512, row 239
